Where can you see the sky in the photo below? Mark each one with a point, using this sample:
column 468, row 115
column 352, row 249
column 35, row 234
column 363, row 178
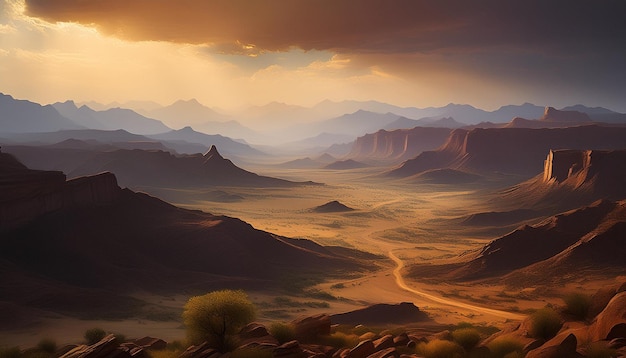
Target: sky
column 236, row 53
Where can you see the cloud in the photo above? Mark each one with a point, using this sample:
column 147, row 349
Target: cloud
column 352, row 26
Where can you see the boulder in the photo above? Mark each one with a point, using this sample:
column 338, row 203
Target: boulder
column 566, row 349
column 534, row 345
column 258, row 333
column 362, row 350
column 611, row 321
column 384, row 343
column 104, row 348
column 150, row 343
column 385, row 353
column 401, row 340
column 290, row 349
column 200, row 351
column 600, row 299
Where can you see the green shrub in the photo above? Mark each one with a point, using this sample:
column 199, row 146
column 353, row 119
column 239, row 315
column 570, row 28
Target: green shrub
column 440, row 349
column 545, row 323
column 282, row 332
column 10, row 352
column 467, row 338
column 577, row 305
column 94, row 335
column 506, row 347
column 217, row 316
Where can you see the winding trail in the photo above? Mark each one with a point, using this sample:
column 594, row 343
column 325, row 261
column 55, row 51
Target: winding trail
column 402, row 284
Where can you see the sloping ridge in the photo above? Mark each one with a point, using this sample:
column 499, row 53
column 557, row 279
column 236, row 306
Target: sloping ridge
column 510, row 150
column 102, row 237
column 573, row 178
column 158, row 168
column 588, row 237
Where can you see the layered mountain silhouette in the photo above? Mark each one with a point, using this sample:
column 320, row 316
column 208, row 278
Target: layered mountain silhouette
column 110, row 119
column 64, row 242
column 137, row 168
column 21, row 116
column 509, row 150
column 200, row 117
column 189, row 135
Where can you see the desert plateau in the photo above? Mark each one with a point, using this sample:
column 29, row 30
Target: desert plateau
column 230, row 179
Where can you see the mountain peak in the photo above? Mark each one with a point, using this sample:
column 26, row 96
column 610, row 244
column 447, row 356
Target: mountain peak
column 213, row 153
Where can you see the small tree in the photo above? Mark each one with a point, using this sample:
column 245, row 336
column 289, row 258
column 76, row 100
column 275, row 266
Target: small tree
column 216, row 316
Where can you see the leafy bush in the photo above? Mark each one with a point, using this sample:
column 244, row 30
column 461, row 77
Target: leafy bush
column 217, row 316
column 467, row 338
column 440, row 349
column 282, row 332
column 545, row 323
column 94, row 335
column 506, row 347
column 577, row 305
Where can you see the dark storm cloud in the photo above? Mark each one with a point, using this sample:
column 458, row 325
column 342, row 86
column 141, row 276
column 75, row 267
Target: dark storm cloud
column 356, row 26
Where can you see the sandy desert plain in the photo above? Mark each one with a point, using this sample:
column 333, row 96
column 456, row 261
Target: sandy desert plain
column 402, row 222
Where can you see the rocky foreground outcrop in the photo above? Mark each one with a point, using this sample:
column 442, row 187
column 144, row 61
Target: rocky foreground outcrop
column 310, row 339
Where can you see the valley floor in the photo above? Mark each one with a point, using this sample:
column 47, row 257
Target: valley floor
column 404, row 223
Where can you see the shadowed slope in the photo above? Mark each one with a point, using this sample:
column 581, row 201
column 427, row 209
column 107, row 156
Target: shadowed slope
column 88, row 235
column 157, row 168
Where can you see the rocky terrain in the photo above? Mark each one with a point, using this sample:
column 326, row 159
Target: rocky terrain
column 599, row 330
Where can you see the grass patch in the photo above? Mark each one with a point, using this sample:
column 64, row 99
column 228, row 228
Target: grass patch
column 506, row 347
column 467, row 338
column 440, row 349
column 577, row 305
column 282, row 332
column 545, row 323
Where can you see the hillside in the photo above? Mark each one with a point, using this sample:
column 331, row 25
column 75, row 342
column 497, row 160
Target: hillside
column 588, row 240
column 158, row 168
column 124, row 241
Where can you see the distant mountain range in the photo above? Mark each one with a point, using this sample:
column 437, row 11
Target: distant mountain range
column 274, row 123
column 110, row 119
